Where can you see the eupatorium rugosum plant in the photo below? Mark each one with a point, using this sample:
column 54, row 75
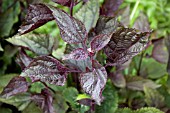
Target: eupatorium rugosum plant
column 85, row 39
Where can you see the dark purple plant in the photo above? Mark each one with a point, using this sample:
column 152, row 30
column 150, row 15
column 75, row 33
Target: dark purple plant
column 118, row 43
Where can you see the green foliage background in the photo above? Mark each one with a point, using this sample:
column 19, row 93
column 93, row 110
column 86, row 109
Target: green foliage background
column 138, row 91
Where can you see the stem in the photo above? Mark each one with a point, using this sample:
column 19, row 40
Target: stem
column 140, row 63
column 134, row 9
column 71, row 7
column 48, row 87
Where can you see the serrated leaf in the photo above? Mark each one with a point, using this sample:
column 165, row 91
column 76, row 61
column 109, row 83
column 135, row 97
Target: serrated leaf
column 110, row 102
column 23, row 59
column 125, row 44
column 15, row 86
column 138, row 83
column 40, row 44
column 46, row 69
column 77, row 54
column 71, row 29
column 124, row 110
column 160, row 52
column 110, row 7
column 99, row 42
column 148, row 109
column 153, row 98
column 118, row 79
column 89, row 14
column 44, row 100
column 94, row 82
column 106, row 25
column 37, row 15
column 63, row 2
column 21, row 101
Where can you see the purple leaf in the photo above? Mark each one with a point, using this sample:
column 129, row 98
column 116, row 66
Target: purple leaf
column 125, row 44
column 125, row 16
column 46, row 69
column 63, row 2
column 118, row 79
column 23, row 59
column 44, row 100
column 15, row 86
column 94, row 82
column 86, row 101
column 37, row 15
column 79, row 65
column 78, row 54
column 160, row 52
column 99, row 42
column 138, row 83
column 71, row 29
column 110, row 7
column 142, row 23
column 106, row 25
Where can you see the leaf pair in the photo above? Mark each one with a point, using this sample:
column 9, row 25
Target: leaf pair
column 72, row 30
column 98, row 43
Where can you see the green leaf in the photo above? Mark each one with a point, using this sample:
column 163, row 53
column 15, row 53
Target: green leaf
column 20, row 101
column 142, row 110
column 8, row 19
column 124, row 110
column 138, row 83
column 110, row 102
column 153, row 98
column 59, row 104
column 70, row 94
column 40, row 44
column 7, row 58
column 1, row 49
column 36, row 87
column 89, row 14
column 5, row 110
column 32, row 108
column 5, row 80
column 152, row 68
column 148, row 110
